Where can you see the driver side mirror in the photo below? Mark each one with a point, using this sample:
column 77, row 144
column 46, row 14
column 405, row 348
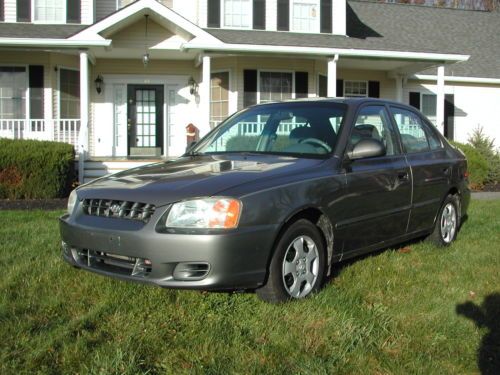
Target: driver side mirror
column 367, row 148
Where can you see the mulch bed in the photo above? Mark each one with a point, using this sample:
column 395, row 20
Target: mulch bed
column 491, row 187
column 33, row 204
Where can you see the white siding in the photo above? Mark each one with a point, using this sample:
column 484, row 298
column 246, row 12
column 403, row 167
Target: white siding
column 202, row 13
column 10, row 12
column 103, row 8
column 271, row 15
column 187, row 9
column 87, row 10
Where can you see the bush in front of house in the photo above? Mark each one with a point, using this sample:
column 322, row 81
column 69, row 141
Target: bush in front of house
column 35, row 169
column 476, row 164
column 486, row 147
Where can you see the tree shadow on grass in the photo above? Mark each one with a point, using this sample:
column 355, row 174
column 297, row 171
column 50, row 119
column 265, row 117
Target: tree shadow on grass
column 487, row 315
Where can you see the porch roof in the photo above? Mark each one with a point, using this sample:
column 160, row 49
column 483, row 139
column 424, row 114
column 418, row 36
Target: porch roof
column 31, row 30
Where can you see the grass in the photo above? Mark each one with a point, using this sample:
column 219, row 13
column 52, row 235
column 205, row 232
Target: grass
column 391, row 313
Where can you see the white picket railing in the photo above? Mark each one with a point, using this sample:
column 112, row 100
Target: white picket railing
column 59, row 130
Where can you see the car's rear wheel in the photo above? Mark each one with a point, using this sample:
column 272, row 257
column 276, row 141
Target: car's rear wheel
column 447, row 222
column 297, row 268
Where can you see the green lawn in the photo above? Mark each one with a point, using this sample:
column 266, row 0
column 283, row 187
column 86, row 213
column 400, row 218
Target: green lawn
column 391, row 313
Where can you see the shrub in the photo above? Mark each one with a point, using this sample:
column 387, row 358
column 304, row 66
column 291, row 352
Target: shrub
column 486, row 147
column 476, row 163
column 35, row 169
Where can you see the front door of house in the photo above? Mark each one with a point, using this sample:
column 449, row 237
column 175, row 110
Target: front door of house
column 145, row 120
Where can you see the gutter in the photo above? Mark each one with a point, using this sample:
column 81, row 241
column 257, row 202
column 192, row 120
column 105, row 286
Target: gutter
column 44, row 43
column 425, row 77
column 320, row 51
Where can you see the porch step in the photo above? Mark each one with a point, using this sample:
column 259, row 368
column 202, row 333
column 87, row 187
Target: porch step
column 99, row 168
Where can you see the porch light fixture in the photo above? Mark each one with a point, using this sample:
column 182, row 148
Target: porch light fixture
column 145, row 57
column 98, row 84
column 193, row 86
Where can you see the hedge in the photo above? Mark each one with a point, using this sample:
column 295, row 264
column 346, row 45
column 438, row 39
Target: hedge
column 35, row 169
column 476, row 164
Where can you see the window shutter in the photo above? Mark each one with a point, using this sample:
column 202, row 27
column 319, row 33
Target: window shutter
column 301, row 84
column 23, row 10
column 249, row 87
column 213, row 13
column 340, row 88
column 415, row 99
column 326, row 16
column 1, row 10
column 36, row 91
column 449, row 116
column 283, row 15
column 374, row 89
column 322, row 86
column 259, row 14
column 73, row 11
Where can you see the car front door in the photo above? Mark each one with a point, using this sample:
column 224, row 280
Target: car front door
column 376, row 203
column 430, row 167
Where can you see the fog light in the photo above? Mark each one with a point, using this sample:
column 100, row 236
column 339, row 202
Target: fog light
column 191, row 271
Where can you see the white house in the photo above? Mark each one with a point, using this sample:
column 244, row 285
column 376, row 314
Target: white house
column 122, row 79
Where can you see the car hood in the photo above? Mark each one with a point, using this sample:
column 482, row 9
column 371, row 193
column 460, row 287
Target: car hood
column 192, row 176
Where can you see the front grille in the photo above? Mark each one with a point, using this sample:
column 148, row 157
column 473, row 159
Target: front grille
column 118, row 209
column 120, row 264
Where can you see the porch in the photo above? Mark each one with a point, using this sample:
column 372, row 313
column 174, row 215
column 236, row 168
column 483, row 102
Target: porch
column 59, row 130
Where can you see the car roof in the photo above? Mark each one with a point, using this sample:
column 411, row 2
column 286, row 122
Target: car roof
column 342, row 100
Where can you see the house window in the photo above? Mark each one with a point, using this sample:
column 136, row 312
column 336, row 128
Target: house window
column 123, row 3
column 13, row 87
column 219, row 97
column 355, row 89
column 322, row 86
column 237, row 13
column 305, row 16
column 275, row 86
column 69, row 94
column 50, row 11
column 429, row 103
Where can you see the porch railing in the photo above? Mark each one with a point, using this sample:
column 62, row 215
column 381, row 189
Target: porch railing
column 59, row 130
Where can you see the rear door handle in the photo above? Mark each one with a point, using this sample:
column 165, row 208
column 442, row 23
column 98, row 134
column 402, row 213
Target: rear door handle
column 447, row 171
column 403, row 176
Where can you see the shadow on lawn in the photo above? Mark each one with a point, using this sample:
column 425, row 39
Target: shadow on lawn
column 487, row 315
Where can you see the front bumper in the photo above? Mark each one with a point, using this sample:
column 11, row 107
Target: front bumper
column 136, row 252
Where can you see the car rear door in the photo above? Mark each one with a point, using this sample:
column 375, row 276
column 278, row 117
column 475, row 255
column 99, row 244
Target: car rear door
column 375, row 205
column 430, row 167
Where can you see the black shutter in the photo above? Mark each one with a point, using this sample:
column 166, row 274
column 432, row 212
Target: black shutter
column 283, row 15
column 340, row 88
column 36, row 91
column 326, row 16
column 73, row 11
column 301, row 84
column 374, row 89
column 415, row 99
column 1, row 10
column 213, row 13
column 322, row 86
column 449, row 116
column 259, row 14
column 23, row 10
column 249, row 87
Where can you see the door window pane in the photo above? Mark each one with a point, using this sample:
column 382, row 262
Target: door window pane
column 373, row 123
column 412, row 131
column 50, row 11
column 275, row 86
column 237, row 13
column 13, row 88
column 69, row 98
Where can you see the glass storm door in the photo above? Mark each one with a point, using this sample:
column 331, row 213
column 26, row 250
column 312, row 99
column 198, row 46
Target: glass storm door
column 145, row 120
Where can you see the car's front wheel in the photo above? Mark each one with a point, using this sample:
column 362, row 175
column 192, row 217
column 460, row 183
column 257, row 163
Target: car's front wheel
column 447, row 222
column 297, row 268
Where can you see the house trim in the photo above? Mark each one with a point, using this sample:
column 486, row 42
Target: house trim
column 44, row 43
column 425, row 77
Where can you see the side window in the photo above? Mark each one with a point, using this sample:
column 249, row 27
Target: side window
column 434, row 141
column 373, row 122
column 411, row 128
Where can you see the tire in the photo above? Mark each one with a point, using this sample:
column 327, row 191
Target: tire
column 447, row 222
column 297, row 267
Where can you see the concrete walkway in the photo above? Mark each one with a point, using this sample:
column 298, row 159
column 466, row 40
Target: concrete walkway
column 486, row 195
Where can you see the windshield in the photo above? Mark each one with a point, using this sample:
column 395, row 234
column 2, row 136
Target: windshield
column 295, row 128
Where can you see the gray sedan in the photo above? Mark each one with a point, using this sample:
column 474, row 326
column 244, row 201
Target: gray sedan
column 272, row 198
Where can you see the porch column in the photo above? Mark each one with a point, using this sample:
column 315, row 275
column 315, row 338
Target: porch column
column 83, row 138
column 205, row 96
column 331, row 90
column 440, row 99
column 399, row 88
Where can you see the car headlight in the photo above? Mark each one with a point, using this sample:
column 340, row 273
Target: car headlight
column 205, row 213
column 72, row 201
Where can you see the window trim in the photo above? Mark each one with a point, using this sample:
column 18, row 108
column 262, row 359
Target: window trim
column 27, row 94
column 317, row 28
column 222, row 18
column 259, row 71
column 59, row 67
column 64, row 20
column 357, row 81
